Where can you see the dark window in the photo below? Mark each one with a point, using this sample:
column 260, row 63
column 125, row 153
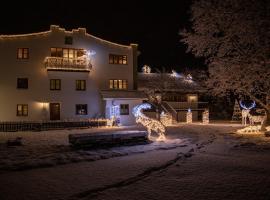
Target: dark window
column 81, row 109
column 22, row 83
column 118, row 84
column 22, row 110
column 55, row 84
column 124, row 109
column 68, row 40
column 22, row 53
column 117, row 59
column 80, row 85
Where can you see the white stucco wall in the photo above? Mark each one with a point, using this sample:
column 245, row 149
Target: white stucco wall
column 124, row 119
column 34, row 69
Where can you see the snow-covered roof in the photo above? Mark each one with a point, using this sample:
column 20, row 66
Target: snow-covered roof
column 168, row 82
column 122, row 94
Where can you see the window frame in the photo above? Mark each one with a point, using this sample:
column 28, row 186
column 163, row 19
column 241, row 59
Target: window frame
column 18, row 85
column 25, row 51
column 114, row 84
column 68, row 38
column 22, row 114
column 118, row 59
column 51, row 80
column 124, row 109
column 80, row 85
column 77, row 106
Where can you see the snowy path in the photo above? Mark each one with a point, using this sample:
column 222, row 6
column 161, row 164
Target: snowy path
column 212, row 165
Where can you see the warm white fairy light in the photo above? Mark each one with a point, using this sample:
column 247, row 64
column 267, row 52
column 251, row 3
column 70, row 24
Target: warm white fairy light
column 189, row 116
column 245, row 111
column 150, row 124
column 146, row 69
column 175, row 74
column 166, row 119
column 205, row 117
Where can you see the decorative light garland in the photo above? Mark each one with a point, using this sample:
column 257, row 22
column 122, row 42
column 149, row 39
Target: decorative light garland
column 245, row 112
column 150, row 124
column 189, row 116
column 205, row 117
column 146, row 69
column 166, row 119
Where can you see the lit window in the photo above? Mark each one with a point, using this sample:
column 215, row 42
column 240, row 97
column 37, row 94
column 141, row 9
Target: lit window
column 111, row 84
column 80, row 85
column 55, row 84
column 124, row 109
column 192, row 98
column 22, row 83
column 23, row 53
column 22, row 110
column 65, row 53
column 118, row 84
column 71, row 53
column 117, row 59
column 115, row 84
column 81, row 109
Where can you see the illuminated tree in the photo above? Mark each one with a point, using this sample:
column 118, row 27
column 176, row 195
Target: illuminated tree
column 234, row 38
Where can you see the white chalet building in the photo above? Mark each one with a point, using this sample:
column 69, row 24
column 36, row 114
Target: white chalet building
column 66, row 75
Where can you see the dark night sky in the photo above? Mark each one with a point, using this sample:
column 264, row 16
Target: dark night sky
column 154, row 26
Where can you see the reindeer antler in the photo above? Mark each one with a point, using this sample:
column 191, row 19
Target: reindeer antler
column 247, row 108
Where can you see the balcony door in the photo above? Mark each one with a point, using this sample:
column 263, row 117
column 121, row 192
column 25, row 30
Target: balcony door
column 54, row 111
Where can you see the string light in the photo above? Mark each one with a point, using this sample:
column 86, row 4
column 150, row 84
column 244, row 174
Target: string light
column 166, row 119
column 205, row 117
column 189, row 116
column 150, row 124
column 245, row 112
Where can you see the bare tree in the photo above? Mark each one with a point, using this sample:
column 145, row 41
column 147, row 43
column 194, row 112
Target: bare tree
column 234, row 38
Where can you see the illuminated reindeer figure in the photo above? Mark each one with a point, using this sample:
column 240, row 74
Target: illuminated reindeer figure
column 150, row 124
column 245, row 112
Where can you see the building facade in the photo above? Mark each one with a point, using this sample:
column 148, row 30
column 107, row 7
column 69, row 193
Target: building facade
column 178, row 93
column 66, row 75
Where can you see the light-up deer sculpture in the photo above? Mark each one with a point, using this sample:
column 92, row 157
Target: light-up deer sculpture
column 148, row 123
column 245, row 112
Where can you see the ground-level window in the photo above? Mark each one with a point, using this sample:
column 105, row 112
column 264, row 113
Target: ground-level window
column 124, row 109
column 118, row 84
column 55, row 84
column 22, row 110
column 22, row 83
column 118, row 59
column 81, row 109
column 80, row 85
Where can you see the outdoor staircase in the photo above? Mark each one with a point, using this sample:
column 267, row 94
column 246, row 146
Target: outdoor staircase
column 169, row 109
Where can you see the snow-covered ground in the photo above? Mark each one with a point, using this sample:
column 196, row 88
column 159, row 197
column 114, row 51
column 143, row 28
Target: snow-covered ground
column 196, row 162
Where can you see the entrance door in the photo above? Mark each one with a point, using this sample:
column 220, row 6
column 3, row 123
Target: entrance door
column 54, row 111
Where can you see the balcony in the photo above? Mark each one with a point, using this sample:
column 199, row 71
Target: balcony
column 81, row 64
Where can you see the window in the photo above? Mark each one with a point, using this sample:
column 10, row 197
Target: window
column 118, row 59
column 66, row 52
column 192, row 98
column 22, row 53
column 118, row 84
column 68, row 40
column 80, row 85
column 22, row 110
column 81, row 109
column 56, row 52
column 124, row 109
column 22, row 83
column 55, row 84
